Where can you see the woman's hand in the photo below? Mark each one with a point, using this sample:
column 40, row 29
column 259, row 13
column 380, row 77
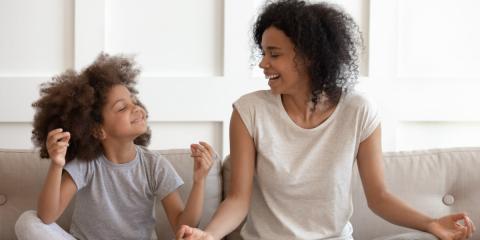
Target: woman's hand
column 57, row 144
column 202, row 155
column 448, row 228
column 188, row 233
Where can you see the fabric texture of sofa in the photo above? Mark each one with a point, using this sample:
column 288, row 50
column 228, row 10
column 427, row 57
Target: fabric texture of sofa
column 436, row 182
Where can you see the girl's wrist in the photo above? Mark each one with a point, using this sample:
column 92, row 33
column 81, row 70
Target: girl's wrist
column 199, row 182
column 56, row 166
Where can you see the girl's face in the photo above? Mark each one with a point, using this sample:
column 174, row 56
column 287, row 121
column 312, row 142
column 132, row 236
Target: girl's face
column 285, row 73
column 122, row 117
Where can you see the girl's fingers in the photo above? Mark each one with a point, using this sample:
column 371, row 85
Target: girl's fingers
column 207, row 146
column 53, row 132
column 204, row 147
column 59, row 136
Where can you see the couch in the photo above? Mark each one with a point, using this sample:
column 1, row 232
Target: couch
column 435, row 181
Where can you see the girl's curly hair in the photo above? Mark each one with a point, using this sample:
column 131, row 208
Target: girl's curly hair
column 324, row 35
column 74, row 101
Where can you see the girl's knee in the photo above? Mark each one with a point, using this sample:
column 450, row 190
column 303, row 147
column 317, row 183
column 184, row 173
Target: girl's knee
column 27, row 217
column 26, row 221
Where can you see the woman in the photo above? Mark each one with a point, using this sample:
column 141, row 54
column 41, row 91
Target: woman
column 294, row 146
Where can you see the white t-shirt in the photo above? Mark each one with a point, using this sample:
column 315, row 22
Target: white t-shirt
column 302, row 182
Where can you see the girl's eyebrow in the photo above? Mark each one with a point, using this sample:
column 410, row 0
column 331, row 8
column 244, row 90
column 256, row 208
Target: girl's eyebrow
column 117, row 101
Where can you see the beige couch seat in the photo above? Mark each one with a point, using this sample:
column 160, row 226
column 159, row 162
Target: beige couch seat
column 436, row 181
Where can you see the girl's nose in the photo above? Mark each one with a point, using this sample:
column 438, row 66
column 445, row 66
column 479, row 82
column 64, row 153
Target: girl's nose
column 138, row 108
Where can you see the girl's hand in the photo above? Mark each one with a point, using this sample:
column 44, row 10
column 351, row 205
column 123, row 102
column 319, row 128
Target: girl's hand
column 188, row 233
column 448, row 228
column 202, row 155
column 57, row 144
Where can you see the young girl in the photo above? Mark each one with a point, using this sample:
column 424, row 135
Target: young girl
column 294, row 146
column 93, row 128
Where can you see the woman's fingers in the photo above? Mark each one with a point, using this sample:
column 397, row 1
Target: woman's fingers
column 469, row 225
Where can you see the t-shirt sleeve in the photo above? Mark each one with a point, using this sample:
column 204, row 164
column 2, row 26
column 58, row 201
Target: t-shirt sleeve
column 245, row 108
column 79, row 171
column 370, row 118
column 167, row 179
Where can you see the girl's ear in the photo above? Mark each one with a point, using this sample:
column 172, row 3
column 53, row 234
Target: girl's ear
column 99, row 133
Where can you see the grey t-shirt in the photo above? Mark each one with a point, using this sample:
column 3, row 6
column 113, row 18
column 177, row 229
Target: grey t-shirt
column 115, row 201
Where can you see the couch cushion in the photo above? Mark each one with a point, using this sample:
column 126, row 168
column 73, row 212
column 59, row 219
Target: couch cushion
column 436, row 182
column 22, row 173
column 21, row 178
column 409, row 236
column 183, row 163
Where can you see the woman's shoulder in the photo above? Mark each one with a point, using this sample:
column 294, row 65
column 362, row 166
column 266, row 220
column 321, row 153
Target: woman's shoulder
column 357, row 100
column 255, row 97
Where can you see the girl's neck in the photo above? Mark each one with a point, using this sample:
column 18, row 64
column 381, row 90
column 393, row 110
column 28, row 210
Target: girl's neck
column 119, row 152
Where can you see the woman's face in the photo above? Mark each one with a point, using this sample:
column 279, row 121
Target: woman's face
column 123, row 118
column 285, row 70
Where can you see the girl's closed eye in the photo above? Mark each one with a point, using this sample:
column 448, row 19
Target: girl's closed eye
column 122, row 108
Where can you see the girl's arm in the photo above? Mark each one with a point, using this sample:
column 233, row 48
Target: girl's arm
column 234, row 208
column 202, row 155
column 392, row 209
column 58, row 189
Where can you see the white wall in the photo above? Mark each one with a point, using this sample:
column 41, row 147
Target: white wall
column 419, row 64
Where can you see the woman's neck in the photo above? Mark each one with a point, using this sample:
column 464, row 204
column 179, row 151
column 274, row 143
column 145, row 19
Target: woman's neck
column 304, row 112
column 119, row 152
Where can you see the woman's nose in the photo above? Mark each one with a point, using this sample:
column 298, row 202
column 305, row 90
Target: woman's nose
column 264, row 63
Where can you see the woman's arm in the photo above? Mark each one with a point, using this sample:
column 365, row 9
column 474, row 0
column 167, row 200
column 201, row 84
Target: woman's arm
column 58, row 189
column 234, row 208
column 392, row 209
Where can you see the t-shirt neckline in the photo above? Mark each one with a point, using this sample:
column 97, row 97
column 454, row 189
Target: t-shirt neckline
column 122, row 165
column 278, row 99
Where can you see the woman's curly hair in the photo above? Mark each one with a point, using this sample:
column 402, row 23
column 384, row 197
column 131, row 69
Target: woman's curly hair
column 74, row 101
column 324, row 35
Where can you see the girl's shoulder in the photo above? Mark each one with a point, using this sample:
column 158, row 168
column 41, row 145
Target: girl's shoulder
column 152, row 159
column 149, row 155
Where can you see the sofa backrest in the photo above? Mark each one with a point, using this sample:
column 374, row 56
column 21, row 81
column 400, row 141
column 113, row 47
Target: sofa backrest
column 436, row 182
column 183, row 163
column 22, row 173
